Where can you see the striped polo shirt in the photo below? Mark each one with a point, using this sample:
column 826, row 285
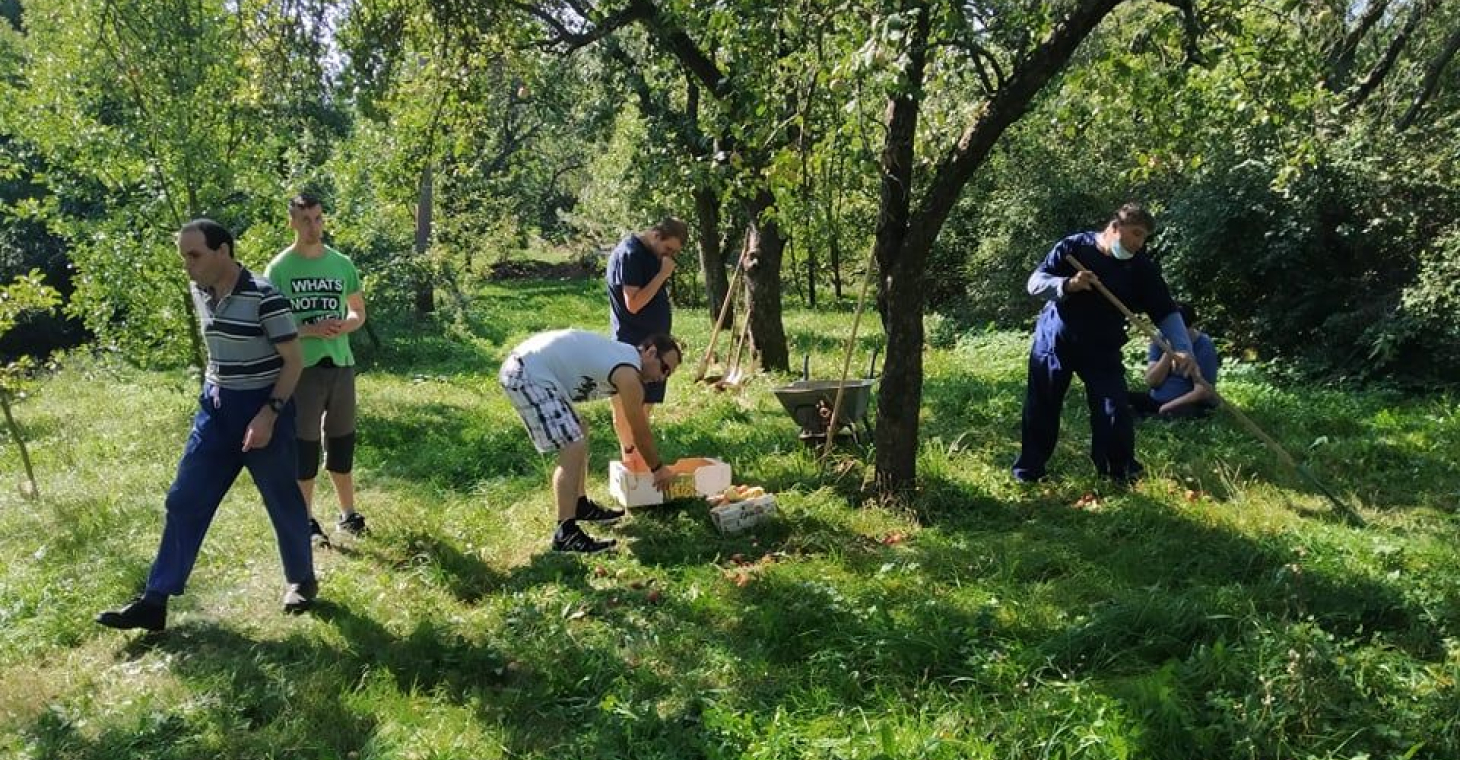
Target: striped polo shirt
column 241, row 329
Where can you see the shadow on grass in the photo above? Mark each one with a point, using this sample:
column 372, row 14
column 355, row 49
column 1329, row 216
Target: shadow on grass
column 463, row 575
column 447, row 446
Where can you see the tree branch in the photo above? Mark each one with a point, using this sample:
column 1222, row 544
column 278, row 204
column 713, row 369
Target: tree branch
column 571, row 40
column 1191, row 27
column 1030, row 75
column 1341, row 60
column 1386, row 62
column 1431, row 81
column 683, row 48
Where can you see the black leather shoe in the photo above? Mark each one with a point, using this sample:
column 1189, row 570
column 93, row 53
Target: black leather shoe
column 136, row 614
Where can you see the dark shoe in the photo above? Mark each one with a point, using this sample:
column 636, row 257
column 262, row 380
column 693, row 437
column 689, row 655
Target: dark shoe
column 138, row 613
column 575, row 540
column 353, row 523
column 317, row 535
column 300, row 596
column 591, row 511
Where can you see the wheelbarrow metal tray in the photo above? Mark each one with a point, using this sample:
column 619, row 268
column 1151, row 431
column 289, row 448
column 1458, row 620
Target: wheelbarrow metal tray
column 803, row 398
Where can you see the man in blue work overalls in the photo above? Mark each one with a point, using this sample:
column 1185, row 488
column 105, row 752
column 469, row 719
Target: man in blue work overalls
column 1080, row 332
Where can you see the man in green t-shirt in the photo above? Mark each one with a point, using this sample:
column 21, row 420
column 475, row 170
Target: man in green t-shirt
column 323, row 290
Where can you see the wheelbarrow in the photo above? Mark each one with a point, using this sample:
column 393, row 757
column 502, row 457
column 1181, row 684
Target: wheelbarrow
column 809, row 402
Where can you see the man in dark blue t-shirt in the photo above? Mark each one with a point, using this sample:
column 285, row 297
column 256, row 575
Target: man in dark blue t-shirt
column 639, row 269
column 1172, row 395
column 1081, row 333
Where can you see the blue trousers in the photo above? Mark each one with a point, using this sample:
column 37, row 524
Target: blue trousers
column 1112, row 427
column 211, row 462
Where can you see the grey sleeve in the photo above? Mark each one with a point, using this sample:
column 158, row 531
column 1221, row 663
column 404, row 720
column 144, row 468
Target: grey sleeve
column 1045, row 286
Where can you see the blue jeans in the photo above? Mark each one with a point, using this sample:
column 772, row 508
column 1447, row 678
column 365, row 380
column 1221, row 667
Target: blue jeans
column 211, row 461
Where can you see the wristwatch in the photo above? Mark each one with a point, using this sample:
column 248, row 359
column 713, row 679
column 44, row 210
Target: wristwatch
column 278, row 404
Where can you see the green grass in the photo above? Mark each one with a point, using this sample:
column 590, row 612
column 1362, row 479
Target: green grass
column 983, row 620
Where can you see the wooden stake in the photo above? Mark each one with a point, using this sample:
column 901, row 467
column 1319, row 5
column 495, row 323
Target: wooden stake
column 841, row 388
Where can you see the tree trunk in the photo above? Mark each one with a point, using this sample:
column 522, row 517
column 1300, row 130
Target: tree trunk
column 16, row 433
column 763, row 277
column 833, row 230
column 1381, row 70
column 904, row 239
column 425, row 290
column 712, row 255
column 899, row 287
column 195, row 332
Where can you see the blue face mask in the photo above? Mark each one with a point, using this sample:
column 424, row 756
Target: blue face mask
column 1119, row 251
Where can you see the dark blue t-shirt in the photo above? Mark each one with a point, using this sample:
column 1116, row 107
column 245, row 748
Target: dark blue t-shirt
column 1177, row 385
column 1085, row 323
column 632, row 264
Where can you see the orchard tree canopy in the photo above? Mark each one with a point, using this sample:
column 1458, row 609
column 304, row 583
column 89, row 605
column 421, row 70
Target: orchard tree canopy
column 1311, row 144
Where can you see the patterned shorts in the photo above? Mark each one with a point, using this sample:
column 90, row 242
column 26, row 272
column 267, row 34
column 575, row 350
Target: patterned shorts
column 548, row 415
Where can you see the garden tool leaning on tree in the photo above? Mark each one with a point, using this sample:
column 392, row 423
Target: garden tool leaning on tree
column 1246, row 422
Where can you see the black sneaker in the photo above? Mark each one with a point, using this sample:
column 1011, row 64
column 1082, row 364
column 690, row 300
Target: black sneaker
column 575, row 540
column 592, row 511
column 317, row 535
column 300, row 596
column 353, row 523
column 137, row 613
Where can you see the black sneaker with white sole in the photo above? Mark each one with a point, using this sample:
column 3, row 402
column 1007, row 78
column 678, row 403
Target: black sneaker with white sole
column 317, row 536
column 571, row 538
column 592, row 511
column 353, row 523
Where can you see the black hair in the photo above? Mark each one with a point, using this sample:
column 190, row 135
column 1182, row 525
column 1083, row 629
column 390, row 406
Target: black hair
column 303, row 201
column 214, row 233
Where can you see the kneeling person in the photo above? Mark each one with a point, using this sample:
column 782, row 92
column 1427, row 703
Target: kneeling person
column 1172, row 394
column 549, row 371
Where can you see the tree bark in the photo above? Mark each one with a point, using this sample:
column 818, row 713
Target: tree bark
column 425, row 296
column 763, row 278
column 905, row 238
column 19, row 436
column 1381, row 70
column 833, row 233
column 1341, row 61
column 899, row 288
column 712, row 254
column 1431, row 81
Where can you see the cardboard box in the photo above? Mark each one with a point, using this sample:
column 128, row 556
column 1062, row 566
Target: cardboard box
column 735, row 516
column 697, row 476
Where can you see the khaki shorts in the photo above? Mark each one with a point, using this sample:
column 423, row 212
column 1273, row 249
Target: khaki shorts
column 327, row 393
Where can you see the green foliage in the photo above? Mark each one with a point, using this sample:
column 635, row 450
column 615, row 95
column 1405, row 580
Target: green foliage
column 148, row 113
column 26, row 293
column 1261, row 172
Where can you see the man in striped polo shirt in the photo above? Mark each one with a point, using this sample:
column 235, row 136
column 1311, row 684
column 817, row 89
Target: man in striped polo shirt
column 245, row 419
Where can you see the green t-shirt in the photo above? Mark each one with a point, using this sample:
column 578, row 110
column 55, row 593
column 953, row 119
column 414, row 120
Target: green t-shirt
column 316, row 290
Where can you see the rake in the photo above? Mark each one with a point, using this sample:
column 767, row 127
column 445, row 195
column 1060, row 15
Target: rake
column 1347, row 512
